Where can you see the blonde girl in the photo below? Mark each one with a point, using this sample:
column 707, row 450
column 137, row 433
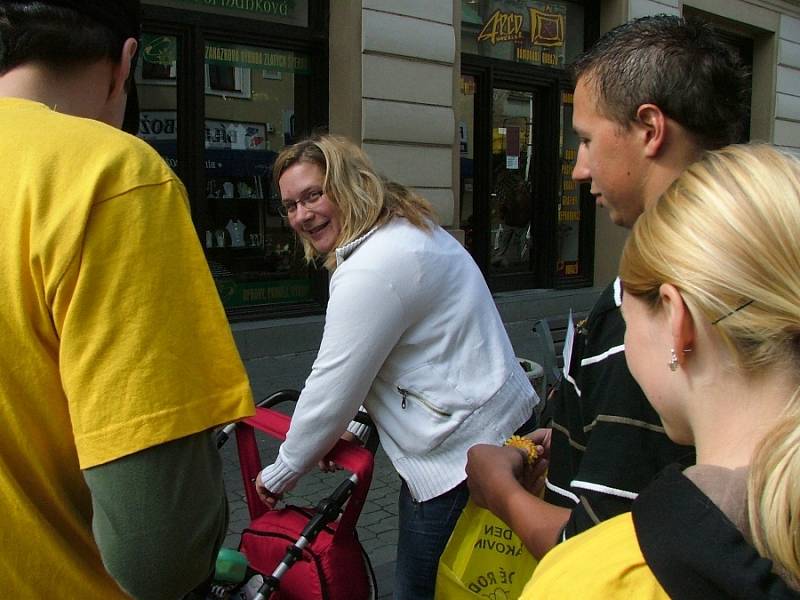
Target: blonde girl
column 711, row 280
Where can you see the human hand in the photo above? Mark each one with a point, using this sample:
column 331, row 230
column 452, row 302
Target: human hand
column 536, row 463
column 329, row 466
column 491, row 470
column 267, row 497
column 534, row 476
column 542, row 437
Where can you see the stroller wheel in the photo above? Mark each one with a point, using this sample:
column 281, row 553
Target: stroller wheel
column 371, row 579
column 221, row 592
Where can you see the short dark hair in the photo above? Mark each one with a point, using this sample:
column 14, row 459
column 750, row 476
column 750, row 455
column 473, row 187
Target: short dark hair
column 64, row 33
column 678, row 64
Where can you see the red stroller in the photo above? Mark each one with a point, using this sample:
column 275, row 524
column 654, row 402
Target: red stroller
column 305, row 553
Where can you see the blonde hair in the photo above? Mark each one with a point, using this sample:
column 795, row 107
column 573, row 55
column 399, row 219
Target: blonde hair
column 727, row 234
column 365, row 199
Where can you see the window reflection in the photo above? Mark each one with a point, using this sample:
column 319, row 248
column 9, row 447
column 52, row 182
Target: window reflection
column 510, row 202
column 250, row 99
column 569, row 207
column 156, row 79
column 250, row 102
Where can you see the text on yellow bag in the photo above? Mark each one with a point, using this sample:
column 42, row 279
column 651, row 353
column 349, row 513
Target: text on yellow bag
column 483, row 559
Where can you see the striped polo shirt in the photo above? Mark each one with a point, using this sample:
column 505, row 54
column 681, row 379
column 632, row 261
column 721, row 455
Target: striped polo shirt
column 608, row 442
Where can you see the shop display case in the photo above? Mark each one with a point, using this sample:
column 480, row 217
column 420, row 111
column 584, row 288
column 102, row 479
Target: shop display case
column 252, row 251
column 253, row 98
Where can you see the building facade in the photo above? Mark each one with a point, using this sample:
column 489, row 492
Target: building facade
column 468, row 101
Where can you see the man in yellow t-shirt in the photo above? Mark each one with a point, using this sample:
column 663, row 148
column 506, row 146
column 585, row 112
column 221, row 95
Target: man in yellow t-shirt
column 116, row 358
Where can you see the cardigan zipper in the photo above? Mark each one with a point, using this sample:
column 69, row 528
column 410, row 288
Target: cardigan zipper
column 405, row 393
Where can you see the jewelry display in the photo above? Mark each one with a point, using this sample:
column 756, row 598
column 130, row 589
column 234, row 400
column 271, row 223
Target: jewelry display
column 236, row 229
column 244, row 189
column 245, row 234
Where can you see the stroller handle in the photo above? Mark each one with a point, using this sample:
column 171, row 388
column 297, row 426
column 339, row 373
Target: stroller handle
column 287, row 395
column 347, row 455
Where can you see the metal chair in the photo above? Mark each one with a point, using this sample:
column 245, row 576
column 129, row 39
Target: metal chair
column 552, row 372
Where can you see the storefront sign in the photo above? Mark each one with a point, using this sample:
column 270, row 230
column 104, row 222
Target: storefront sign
column 569, row 209
column 158, row 125
column 254, row 57
column 159, row 49
column 162, row 125
column 538, row 35
column 294, row 12
column 237, row 293
column 233, row 135
column 502, row 27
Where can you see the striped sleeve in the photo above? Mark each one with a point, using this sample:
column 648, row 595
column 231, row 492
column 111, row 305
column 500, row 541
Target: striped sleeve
column 608, row 442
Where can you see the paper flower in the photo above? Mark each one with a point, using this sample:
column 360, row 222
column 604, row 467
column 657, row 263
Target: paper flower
column 525, row 444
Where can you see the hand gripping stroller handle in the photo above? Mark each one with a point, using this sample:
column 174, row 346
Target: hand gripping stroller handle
column 347, row 455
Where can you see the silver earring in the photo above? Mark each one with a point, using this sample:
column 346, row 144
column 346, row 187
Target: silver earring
column 673, row 361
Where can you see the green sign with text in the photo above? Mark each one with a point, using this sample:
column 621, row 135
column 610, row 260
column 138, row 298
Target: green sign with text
column 255, row 58
column 238, row 293
column 294, row 12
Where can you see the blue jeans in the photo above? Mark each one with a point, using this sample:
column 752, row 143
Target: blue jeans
column 425, row 528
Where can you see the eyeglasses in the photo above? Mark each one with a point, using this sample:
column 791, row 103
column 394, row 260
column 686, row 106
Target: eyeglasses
column 308, row 199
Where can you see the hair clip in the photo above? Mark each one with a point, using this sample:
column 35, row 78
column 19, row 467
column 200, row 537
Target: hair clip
column 735, row 310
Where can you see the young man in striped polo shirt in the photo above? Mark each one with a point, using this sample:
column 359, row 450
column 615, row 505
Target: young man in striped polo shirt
column 650, row 96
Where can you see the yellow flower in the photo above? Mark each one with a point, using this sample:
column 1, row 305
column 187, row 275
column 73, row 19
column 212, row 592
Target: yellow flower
column 525, row 444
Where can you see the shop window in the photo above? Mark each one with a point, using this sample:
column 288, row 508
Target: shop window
column 569, row 199
column 219, row 98
column 227, row 81
column 250, row 116
column 156, row 77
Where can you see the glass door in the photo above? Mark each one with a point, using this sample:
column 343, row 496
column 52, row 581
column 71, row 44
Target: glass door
column 526, row 222
column 507, row 176
column 512, row 174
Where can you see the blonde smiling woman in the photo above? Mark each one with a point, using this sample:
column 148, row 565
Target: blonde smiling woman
column 412, row 334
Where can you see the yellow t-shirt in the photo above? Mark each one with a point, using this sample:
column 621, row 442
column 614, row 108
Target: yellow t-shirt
column 113, row 336
column 602, row 562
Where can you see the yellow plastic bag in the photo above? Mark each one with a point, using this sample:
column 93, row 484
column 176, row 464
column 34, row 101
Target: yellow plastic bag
column 483, row 559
